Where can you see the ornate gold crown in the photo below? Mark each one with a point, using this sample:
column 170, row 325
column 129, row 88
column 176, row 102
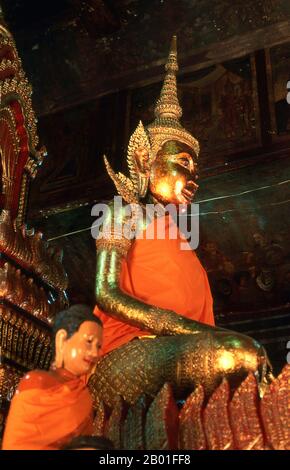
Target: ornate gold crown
column 165, row 127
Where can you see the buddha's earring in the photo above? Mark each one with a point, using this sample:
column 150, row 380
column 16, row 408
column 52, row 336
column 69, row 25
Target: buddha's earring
column 143, row 185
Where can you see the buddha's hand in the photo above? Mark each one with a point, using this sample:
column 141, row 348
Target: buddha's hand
column 236, row 354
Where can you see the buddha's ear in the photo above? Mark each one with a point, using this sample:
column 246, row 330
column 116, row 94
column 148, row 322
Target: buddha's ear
column 60, row 339
column 138, row 151
column 141, row 156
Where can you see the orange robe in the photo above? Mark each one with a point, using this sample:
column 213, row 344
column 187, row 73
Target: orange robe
column 158, row 272
column 47, row 411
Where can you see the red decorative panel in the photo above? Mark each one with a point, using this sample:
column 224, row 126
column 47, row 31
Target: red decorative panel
column 244, row 416
column 191, row 432
column 275, row 411
column 161, row 430
column 216, row 420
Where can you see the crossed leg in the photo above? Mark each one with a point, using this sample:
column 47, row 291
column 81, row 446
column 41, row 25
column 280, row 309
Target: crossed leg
column 142, row 366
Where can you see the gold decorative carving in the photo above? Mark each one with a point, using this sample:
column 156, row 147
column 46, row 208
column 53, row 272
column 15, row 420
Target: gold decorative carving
column 275, row 411
column 221, row 423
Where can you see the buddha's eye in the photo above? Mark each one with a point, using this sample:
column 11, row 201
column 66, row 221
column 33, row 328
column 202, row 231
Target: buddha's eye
column 184, row 162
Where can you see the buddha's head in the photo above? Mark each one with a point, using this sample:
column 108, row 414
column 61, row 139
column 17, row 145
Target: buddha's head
column 171, row 179
column 162, row 158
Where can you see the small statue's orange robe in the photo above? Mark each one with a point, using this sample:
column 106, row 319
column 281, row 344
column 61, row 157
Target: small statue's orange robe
column 158, row 272
column 47, row 411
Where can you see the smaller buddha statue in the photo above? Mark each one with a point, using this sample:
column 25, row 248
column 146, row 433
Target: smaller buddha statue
column 50, row 408
column 152, row 292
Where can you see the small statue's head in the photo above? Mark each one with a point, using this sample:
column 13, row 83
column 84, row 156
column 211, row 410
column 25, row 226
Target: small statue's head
column 77, row 340
column 162, row 158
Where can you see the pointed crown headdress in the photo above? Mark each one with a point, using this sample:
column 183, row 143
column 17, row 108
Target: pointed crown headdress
column 165, row 127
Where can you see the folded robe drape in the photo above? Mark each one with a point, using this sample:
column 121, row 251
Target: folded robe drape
column 47, row 411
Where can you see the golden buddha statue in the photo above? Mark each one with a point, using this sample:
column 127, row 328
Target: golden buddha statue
column 153, row 297
column 50, row 408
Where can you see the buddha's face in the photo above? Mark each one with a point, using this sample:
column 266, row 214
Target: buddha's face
column 173, row 174
column 82, row 349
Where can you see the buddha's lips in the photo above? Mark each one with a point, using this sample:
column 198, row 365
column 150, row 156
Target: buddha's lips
column 190, row 189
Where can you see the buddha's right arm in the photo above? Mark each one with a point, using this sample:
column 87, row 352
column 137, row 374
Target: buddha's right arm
column 116, row 303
